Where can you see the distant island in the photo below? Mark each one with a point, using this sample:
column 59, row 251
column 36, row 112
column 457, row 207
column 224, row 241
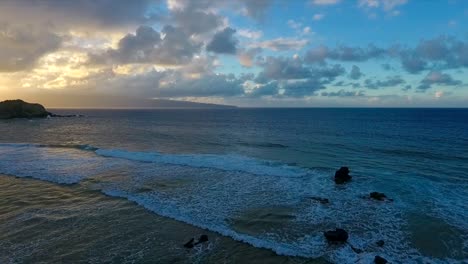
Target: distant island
column 165, row 103
column 20, row 109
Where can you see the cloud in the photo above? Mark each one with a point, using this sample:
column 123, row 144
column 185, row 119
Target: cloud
column 302, row 88
column 256, row 9
column 387, row 67
column 247, row 57
column 391, row 81
column 223, row 42
column 147, row 46
column 344, row 53
column 251, row 34
column 355, row 73
column 293, row 24
column 386, row 5
column 293, row 78
column 343, row 93
column 21, row 47
column 194, row 21
column 318, row 17
column 282, row 44
column 437, row 78
column 325, row 2
column 438, row 53
column 211, row 85
column 279, row 68
column 85, row 13
column 306, row 30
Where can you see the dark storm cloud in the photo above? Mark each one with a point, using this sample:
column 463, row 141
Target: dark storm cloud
column 106, row 13
column 355, row 73
column 223, row 42
column 21, row 47
column 436, row 77
column 146, row 46
column 391, row 81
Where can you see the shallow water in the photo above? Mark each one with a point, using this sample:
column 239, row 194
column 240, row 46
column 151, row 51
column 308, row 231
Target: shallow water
column 249, row 174
column 44, row 222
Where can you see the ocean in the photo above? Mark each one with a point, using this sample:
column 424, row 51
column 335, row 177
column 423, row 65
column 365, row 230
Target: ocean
column 132, row 186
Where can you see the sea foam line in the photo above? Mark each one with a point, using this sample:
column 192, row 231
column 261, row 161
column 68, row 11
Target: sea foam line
column 227, row 162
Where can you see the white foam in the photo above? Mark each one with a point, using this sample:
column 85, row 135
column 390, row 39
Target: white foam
column 209, row 190
column 227, row 162
column 59, row 165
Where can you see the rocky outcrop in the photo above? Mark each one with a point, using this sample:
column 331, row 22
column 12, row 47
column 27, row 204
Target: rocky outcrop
column 319, row 199
column 342, row 175
column 337, row 235
column 380, row 260
column 379, row 196
column 380, row 243
column 20, row 109
column 191, row 243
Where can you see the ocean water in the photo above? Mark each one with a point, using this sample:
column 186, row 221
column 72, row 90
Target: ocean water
column 250, row 175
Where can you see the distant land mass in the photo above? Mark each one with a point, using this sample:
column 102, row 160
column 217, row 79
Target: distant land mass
column 165, row 103
column 53, row 100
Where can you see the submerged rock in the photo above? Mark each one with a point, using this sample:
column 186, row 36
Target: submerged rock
column 202, row 239
column 379, row 260
column 320, row 199
column 55, row 115
column 342, row 175
column 189, row 244
column 380, row 243
column 378, row 196
column 21, row 109
column 337, row 235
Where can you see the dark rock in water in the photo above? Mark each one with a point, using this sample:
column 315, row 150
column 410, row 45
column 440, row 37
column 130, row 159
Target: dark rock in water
column 379, row 260
column 378, row 196
column 189, row 244
column 201, row 239
column 380, row 243
column 342, row 175
column 20, row 109
column 337, row 235
column 55, row 115
column 357, row 250
column 320, row 200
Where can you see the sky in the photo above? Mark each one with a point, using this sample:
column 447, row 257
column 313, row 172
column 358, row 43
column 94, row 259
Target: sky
column 249, row 53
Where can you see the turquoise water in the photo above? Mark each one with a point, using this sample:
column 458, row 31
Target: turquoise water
column 249, row 173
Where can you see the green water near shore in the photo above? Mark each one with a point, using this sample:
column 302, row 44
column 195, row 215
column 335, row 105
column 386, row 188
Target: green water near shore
column 41, row 222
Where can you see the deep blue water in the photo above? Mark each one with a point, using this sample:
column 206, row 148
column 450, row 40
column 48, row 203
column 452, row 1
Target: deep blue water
column 228, row 161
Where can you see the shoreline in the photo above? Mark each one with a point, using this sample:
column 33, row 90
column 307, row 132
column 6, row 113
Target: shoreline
column 173, row 232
